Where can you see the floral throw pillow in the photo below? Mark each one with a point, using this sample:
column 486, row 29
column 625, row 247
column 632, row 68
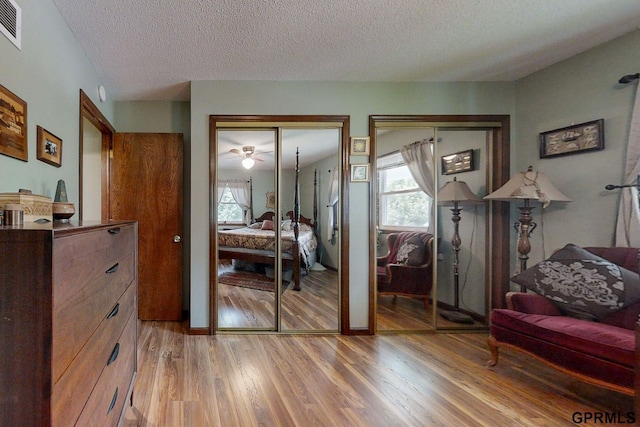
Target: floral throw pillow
column 582, row 284
column 411, row 252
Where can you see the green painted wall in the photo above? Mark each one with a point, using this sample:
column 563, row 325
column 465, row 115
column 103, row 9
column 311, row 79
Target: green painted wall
column 48, row 73
column 358, row 100
column 578, row 90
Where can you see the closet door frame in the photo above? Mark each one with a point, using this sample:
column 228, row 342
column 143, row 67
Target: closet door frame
column 499, row 238
column 222, row 121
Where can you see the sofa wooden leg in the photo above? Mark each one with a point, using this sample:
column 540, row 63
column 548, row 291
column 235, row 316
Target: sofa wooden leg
column 493, row 348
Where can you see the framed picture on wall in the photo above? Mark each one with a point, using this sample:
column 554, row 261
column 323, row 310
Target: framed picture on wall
column 271, row 200
column 49, row 148
column 360, row 146
column 461, row 161
column 574, row 139
column 13, row 125
column 360, row 173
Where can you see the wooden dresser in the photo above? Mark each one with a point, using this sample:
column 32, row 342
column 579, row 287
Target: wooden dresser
column 68, row 323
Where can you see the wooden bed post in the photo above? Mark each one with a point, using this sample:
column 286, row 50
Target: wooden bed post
column 251, row 200
column 296, row 225
column 315, row 202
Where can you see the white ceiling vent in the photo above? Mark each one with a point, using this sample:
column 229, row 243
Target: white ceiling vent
column 11, row 21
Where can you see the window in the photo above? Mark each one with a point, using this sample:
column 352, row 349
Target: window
column 402, row 204
column 228, row 209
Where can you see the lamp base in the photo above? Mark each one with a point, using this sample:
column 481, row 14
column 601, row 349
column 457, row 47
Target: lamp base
column 456, row 316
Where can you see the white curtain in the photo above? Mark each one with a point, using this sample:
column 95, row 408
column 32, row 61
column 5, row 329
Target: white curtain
column 628, row 224
column 240, row 192
column 221, row 186
column 334, row 193
column 419, row 159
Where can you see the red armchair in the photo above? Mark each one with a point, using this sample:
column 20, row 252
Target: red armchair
column 407, row 269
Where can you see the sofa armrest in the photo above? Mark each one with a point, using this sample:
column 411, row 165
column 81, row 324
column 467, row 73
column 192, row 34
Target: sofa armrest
column 531, row 304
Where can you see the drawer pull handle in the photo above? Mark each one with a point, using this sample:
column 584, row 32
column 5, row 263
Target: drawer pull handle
column 114, row 354
column 113, row 269
column 114, row 311
column 114, row 399
column 114, row 230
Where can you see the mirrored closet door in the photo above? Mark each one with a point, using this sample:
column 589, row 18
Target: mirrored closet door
column 276, row 225
column 435, row 258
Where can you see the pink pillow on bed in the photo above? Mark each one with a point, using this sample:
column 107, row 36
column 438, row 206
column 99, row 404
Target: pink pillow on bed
column 267, row 224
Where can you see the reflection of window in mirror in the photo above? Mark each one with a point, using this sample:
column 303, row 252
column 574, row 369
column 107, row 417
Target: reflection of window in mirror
column 229, row 210
column 402, row 205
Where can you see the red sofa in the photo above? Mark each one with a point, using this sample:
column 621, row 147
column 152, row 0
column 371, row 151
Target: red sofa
column 598, row 352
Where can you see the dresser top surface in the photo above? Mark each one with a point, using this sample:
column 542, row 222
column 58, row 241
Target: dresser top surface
column 72, row 227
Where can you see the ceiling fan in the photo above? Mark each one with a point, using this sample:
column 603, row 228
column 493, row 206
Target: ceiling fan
column 247, row 153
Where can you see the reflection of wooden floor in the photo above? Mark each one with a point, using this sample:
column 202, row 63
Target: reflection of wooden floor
column 314, row 308
column 409, row 314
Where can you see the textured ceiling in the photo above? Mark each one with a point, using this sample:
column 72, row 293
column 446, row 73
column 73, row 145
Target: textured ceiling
column 150, row 49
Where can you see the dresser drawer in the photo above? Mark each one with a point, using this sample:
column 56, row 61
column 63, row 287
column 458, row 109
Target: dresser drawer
column 110, row 393
column 71, row 391
column 86, row 288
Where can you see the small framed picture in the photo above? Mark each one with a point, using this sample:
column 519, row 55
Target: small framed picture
column 271, row 200
column 49, row 147
column 573, row 139
column 461, row 161
column 360, row 173
column 359, row 145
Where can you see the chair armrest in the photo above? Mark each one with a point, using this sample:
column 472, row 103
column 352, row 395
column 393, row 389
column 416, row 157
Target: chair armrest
column 531, row 304
column 382, row 260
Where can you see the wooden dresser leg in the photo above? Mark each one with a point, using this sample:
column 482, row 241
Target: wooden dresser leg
column 493, row 348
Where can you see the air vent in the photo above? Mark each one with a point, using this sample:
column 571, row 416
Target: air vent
column 11, row 21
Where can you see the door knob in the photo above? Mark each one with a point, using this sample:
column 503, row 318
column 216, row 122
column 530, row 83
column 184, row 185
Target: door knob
column 177, row 239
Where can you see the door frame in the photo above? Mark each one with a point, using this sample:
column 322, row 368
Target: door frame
column 89, row 111
column 344, row 205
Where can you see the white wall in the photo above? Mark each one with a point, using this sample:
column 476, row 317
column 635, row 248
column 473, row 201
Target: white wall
column 48, row 74
column 358, row 100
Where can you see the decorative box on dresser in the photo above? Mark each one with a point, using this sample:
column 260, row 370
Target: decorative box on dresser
column 68, row 323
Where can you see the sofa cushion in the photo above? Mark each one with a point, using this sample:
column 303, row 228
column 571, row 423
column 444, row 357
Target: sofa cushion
column 581, row 284
column 603, row 341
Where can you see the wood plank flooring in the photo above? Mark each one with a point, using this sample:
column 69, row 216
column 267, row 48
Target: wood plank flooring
column 333, row 380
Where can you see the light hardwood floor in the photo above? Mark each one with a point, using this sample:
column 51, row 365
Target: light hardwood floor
column 332, row 380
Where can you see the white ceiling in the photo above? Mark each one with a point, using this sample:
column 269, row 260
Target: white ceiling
column 152, row 49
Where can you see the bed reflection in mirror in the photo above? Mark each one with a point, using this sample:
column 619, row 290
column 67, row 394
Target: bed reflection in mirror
column 245, row 173
column 284, row 199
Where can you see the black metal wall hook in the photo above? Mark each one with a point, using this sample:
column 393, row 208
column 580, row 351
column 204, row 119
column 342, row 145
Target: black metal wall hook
column 613, row 187
column 629, row 78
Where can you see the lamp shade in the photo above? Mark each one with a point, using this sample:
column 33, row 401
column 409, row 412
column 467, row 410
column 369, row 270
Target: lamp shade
column 529, row 185
column 457, row 191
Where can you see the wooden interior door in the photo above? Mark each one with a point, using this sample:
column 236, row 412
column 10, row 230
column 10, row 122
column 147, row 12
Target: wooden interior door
column 146, row 186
